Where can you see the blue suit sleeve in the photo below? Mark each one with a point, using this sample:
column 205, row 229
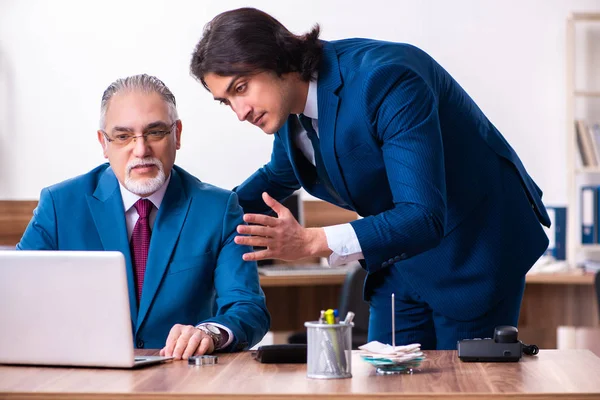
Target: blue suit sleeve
column 403, row 114
column 276, row 178
column 239, row 298
column 40, row 234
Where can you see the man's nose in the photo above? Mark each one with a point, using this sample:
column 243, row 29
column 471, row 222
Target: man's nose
column 241, row 109
column 140, row 147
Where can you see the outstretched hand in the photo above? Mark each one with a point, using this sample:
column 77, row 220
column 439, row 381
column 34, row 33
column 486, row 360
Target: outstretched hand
column 283, row 237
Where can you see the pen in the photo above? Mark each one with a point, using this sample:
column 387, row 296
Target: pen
column 336, row 315
column 349, row 317
column 393, row 323
column 329, row 316
column 322, row 319
column 333, row 344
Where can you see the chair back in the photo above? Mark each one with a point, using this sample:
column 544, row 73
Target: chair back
column 351, row 299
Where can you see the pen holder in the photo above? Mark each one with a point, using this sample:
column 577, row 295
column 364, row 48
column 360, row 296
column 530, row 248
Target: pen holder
column 329, row 350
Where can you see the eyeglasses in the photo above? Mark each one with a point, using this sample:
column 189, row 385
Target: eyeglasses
column 152, row 136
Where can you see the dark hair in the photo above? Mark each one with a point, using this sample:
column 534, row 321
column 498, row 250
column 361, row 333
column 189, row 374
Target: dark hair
column 247, row 41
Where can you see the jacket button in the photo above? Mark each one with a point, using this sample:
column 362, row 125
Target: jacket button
column 385, row 264
column 403, row 256
column 140, row 344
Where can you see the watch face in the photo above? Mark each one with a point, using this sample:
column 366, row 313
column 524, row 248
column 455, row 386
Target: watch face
column 213, row 329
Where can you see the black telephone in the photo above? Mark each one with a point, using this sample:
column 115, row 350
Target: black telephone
column 503, row 347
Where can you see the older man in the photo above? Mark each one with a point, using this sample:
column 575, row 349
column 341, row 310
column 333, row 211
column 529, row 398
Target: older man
column 190, row 291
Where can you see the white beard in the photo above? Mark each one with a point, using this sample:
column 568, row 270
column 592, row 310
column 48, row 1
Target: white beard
column 144, row 186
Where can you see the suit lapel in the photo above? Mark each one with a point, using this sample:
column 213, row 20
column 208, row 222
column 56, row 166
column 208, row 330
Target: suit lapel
column 106, row 207
column 328, row 102
column 165, row 233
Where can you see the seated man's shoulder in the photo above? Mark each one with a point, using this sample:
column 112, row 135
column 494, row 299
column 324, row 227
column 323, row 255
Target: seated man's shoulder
column 79, row 185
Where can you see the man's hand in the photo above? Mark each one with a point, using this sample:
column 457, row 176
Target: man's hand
column 185, row 341
column 283, row 237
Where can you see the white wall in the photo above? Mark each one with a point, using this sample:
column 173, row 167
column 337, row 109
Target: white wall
column 57, row 57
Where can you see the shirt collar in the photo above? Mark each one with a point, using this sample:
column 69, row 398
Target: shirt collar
column 156, row 198
column 311, row 109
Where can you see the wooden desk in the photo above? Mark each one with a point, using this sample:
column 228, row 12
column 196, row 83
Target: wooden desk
column 309, row 280
column 571, row 374
column 567, row 278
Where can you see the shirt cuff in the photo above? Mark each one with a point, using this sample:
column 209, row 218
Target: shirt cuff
column 343, row 242
column 223, row 328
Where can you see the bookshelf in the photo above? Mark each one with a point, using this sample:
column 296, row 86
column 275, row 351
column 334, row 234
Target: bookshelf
column 583, row 103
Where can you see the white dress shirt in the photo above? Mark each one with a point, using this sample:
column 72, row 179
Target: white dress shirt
column 131, row 217
column 341, row 239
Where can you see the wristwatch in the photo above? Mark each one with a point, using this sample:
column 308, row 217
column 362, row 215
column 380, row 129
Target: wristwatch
column 214, row 333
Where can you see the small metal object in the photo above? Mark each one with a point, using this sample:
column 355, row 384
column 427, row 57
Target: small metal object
column 203, row 360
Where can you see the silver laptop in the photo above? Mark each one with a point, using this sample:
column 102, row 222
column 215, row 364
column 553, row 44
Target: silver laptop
column 66, row 308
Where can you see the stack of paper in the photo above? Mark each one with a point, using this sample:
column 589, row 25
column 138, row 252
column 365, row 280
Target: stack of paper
column 388, row 358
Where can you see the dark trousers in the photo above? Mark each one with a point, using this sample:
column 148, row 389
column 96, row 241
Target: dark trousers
column 416, row 322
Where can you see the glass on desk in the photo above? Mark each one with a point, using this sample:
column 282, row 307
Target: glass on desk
column 329, row 350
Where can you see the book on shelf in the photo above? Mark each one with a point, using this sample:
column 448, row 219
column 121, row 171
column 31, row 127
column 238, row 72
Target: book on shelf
column 589, row 214
column 557, row 232
column 595, row 133
column 588, row 144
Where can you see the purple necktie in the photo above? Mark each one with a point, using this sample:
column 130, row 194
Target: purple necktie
column 140, row 243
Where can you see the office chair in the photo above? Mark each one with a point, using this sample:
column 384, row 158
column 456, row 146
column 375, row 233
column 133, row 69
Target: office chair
column 351, row 299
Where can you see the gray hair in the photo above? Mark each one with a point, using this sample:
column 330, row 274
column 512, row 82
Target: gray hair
column 144, row 83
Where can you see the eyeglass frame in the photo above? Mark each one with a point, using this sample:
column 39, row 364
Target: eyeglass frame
column 143, row 135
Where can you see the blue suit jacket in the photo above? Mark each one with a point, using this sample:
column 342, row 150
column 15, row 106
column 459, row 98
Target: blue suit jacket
column 445, row 198
column 195, row 272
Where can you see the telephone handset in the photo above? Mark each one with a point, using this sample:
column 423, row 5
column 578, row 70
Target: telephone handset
column 503, row 347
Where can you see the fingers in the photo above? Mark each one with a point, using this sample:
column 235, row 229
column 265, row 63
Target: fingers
column 252, row 241
column 172, row 340
column 192, row 344
column 182, row 343
column 255, row 230
column 186, row 340
column 178, row 341
column 260, row 219
column 206, row 346
column 258, row 255
column 274, row 204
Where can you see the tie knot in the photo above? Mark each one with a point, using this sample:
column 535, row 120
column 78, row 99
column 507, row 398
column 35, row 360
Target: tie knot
column 143, row 207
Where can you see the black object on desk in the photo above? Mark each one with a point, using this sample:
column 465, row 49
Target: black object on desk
column 504, row 347
column 281, row 354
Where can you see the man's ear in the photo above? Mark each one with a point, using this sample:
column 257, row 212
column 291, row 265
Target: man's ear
column 179, row 128
column 103, row 143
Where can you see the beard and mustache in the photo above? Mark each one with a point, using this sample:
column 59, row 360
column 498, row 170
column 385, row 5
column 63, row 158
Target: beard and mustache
column 144, row 186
